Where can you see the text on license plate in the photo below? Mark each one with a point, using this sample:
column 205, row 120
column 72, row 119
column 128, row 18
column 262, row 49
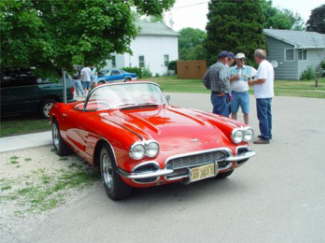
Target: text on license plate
column 202, row 172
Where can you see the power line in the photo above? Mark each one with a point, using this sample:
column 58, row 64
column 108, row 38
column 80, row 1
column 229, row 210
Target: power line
column 190, row 5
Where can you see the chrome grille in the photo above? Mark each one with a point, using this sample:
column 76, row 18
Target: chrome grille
column 196, row 160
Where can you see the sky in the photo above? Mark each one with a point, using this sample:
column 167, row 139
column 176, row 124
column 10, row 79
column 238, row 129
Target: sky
column 192, row 13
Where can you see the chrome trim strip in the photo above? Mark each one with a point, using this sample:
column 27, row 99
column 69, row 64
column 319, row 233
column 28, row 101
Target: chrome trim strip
column 242, row 156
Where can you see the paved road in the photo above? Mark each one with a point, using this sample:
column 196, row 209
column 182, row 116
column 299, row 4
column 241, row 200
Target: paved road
column 278, row 196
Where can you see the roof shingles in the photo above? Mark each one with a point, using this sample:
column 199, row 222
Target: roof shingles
column 299, row 39
column 155, row 28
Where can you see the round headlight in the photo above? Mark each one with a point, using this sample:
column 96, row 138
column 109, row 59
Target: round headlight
column 152, row 149
column 137, row 151
column 237, row 136
column 248, row 135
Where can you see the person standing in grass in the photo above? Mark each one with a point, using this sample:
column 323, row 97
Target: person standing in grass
column 239, row 86
column 264, row 92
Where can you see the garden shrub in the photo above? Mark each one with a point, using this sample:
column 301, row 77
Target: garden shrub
column 172, row 65
column 308, row 74
column 140, row 72
column 135, row 70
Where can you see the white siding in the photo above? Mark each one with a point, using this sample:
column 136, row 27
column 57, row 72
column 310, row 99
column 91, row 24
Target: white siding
column 153, row 48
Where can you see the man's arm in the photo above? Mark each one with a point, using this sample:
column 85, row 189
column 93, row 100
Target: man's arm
column 234, row 78
column 260, row 77
column 256, row 81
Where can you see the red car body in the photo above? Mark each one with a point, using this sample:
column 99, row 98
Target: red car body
column 184, row 136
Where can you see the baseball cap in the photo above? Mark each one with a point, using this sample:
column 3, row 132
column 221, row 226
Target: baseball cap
column 226, row 54
column 231, row 55
column 240, row 55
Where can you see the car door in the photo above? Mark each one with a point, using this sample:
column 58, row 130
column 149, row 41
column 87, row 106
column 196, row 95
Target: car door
column 116, row 75
column 8, row 98
column 27, row 93
column 77, row 127
column 19, row 93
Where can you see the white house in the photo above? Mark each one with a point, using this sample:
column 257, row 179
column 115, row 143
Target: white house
column 153, row 48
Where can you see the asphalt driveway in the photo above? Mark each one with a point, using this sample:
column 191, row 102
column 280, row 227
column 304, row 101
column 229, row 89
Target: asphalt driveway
column 278, row 196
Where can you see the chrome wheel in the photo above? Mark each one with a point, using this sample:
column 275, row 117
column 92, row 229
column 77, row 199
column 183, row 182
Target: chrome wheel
column 55, row 136
column 46, row 108
column 106, row 168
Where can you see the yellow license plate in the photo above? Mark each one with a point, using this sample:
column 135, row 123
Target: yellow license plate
column 202, row 172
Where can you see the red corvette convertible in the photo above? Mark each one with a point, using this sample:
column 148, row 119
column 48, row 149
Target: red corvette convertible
column 136, row 139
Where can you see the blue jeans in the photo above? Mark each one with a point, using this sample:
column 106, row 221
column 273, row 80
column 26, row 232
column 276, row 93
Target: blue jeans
column 85, row 84
column 78, row 87
column 240, row 99
column 264, row 115
column 221, row 104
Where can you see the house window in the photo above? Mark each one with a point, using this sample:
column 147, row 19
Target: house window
column 289, row 54
column 113, row 61
column 141, row 62
column 302, row 54
column 166, row 60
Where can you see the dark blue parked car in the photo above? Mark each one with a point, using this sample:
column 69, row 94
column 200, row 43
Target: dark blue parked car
column 110, row 75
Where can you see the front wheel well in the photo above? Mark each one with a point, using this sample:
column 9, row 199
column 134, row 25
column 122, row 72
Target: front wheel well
column 98, row 147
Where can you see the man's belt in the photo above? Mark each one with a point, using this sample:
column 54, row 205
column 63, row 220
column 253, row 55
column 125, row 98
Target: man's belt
column 219, row 93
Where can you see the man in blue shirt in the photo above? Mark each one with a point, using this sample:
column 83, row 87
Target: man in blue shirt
column 240, row 75
column 217, row 80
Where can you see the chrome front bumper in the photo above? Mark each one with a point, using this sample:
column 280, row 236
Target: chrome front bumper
column 166, row 172
column 145, row 175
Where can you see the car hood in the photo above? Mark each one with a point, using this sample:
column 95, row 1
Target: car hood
column 171, row 127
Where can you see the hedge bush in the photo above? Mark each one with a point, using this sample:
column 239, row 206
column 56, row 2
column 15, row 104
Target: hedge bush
column 140, row 72
column 322, row 64
column 308, row 74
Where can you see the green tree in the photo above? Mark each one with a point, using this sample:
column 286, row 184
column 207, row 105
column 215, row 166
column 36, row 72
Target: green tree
column 236, row 26
column 191, row 44
column 54, row 35
column 316, row 21
column 280, row 18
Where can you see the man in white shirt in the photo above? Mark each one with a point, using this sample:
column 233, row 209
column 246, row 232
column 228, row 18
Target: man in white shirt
column 264, row 91
column 86, row 78
column 240, row 74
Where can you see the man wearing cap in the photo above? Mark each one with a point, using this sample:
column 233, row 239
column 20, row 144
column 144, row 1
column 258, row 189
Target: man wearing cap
column 239, row 86
column 218, row 81
column 264, row 91
column 231, row 58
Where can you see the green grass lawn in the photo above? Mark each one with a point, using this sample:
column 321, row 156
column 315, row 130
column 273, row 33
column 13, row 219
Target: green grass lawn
column 282, row 87
column 19, row 125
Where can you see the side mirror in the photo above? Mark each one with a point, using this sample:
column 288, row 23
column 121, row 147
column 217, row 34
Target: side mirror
column 168, row 97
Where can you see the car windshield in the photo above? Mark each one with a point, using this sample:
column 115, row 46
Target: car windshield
column 125, row 95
